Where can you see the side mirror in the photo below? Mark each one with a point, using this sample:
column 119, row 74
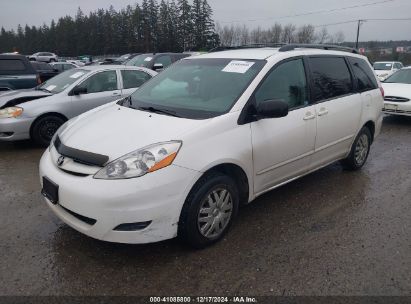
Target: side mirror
column 274, row 108
column 79, row 91
column 158, row 67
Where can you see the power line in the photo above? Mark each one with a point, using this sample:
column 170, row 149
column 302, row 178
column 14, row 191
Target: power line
column 313, row 12
column 365, row 20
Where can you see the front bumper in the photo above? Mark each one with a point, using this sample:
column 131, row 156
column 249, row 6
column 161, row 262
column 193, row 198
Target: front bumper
column 156, row 197
column 397, row 108
column 12, row 129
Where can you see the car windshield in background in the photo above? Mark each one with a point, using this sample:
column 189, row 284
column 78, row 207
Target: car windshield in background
column 197, row 88
column 402, row 76
column 62, row 81
column 382, row 66
column 140, row 60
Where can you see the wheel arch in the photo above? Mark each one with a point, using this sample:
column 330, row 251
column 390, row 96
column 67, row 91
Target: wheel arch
column 238, row 174
column 371, row 126
column 44, row 115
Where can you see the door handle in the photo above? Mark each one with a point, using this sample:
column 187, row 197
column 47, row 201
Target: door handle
column 322, row 112
column 309, row 116
column 116, row 94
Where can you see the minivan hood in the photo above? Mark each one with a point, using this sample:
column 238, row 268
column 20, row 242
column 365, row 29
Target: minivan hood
column 397, row 89
column 17, row 97
column 116, row 130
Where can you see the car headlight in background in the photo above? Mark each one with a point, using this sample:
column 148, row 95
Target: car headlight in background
column 141, row 162
column 11, row 112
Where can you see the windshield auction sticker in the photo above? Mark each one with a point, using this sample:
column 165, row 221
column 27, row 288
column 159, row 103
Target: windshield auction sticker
column 237, row 66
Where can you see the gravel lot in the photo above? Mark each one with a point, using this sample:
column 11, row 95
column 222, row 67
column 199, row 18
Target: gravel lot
column 330, row 233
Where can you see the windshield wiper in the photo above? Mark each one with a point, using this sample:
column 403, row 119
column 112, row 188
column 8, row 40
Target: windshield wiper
column 155, row 110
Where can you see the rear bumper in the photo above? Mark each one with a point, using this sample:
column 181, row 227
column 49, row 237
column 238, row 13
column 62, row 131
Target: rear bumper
column 12, row 129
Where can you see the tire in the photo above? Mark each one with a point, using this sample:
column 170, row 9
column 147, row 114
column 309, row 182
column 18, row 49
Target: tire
column 359, row 151
column 44, row 128
column 194, row 229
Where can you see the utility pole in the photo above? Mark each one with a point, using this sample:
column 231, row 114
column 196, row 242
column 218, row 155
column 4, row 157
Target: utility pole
column 358, row 33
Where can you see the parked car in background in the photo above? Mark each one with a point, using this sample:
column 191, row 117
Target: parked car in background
column 123, row 59
column 78, row 63
column 44, row 70
column 63, row 66
column 39, row 112
column 384, row 69
column 210, row 133
column 16, row 72
column 44, row 56
column 397, row 87
column 156, row 61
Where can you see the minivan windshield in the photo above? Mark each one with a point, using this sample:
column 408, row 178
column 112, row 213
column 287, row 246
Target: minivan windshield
column 382, row 66
column 196, row 88
column 62, row 81
column 402, row 76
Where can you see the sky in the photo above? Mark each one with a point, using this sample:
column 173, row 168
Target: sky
column 252, row 13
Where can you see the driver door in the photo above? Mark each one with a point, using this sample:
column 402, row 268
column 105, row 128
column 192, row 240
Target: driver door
column 101, row 88
column 282, row 147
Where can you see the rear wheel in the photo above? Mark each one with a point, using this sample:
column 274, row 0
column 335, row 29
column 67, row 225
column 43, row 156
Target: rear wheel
column 44, row 129
column 359, row 151
column 208, row 211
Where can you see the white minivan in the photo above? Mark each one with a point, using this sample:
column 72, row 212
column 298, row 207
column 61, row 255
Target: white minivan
column 212, row 132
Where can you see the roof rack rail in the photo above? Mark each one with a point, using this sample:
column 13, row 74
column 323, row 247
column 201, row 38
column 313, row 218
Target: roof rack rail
column 293, row 46
column 247, row 46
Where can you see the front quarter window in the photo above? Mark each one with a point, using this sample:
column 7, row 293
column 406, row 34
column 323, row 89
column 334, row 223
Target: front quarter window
column 198, row 88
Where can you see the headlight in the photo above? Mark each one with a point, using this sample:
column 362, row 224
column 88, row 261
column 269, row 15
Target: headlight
column 11, row 112
column 141, row 162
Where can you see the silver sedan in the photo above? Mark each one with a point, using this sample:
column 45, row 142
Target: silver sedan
column 37, row 113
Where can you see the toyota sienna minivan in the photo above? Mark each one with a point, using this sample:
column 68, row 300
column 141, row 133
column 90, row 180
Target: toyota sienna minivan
column 212, row 132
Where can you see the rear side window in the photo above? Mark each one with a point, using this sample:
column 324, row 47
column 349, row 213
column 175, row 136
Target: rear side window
column 134, row 79
column 365, row 77
column 11, row 65
column 331, row 78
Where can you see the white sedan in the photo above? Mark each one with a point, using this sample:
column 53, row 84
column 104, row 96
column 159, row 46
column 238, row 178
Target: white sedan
column 397, row 89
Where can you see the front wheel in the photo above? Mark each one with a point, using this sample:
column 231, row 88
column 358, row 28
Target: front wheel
column 44, row 129
column 359, row 151
column 208, row 211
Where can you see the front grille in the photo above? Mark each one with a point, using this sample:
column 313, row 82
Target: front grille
column 80, row 217
column 396, row 99
column 74, row 173
column 79, row 156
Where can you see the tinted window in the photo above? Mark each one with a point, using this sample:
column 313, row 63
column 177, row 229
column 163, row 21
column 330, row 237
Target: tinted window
column 365, row 76
column 101, row 82
column 11, row 65
column 68, row 67
column 164, row 60
column 331, row 77
column 134, row 79
column 286, row 82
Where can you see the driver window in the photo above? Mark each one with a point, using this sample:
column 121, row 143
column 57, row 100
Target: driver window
column 286, row 82
column 101, row 82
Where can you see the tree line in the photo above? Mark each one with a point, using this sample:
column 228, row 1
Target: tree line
column 234, row 35
column 174, row 26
